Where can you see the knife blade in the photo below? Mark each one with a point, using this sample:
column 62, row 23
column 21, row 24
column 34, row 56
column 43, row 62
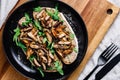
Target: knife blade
column 107, row 67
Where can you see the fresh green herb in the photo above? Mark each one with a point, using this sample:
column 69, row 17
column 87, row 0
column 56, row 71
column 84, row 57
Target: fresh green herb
column 37, row 9
column 50, row 68
column 58, row 67
column 28, row 20
column 50, row 47
column 72, row 35
column 41, row 33
column 75, row 49
column 15, row 38
column 41, row 71
column 27, row 17
column 52, row 51
column 52, row 44
column 31, row 58
column 54, row 14
column 17, row 33
column 22, row 46
column 37, row 24
column 25, row 23
column 44, row 40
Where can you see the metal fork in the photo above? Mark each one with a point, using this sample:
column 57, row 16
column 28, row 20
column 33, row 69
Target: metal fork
column 103, row 58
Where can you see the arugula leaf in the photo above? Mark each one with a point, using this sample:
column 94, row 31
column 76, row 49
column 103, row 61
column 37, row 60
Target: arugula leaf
column 15, row 38
column 25, row 23
column 41, row 33
column 56, row 10
column 37, row 9
column 37, row 24
column 72, row 35
column 52, row 51
column 75, row 49
column 28, row 20
column 52, row 44
column 22, row 46
column 55, row 14
column 31, row 58
column 27, row 17
column 17, row 33
column 58, row 67
column 41, row 71
column 44, row 40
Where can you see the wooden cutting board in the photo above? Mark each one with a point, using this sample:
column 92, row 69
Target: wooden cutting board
column 98, row 16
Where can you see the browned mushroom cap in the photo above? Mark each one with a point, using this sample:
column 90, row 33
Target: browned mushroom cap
column 49, row 60
column 60, row 28
column 54, row 32
column 60, row 53
column 44, row 59
column 56, row 24
column 36, row 62
column 67, row 51
column 34, row 45
column 40, row 14
column 49, row 37
column 32, row 36
column 43, row 65
column 47, row 18
column 51, row 55
column 61, row 35
column 26, row 29
column 42, row 52
column 29, row 52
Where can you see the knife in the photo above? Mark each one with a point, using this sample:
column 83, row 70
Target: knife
column 107, row 67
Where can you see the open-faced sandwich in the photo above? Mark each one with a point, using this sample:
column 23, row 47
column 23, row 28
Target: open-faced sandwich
column 47, row 40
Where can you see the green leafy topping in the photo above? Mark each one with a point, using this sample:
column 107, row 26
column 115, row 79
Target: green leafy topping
column 52, row 44
column 41, row 33
column 22, row 46
column 52, row 51
column 15, row 38
column 44, row 40
column 75, row 49
column 31, row 58
column 25, row 23
column 37, row 9
column 54, row 14
column 37, row 25
column 72, row 35
column 58, row 67
column 17, row 33
column 41, row 71
column 28, row 20
column 27, row 17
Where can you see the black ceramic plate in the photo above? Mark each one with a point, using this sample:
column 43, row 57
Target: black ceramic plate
column 15, row 55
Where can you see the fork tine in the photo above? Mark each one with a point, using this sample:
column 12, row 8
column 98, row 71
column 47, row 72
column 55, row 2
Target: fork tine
column 107, row 49
column 111, row 53
column 110, row 50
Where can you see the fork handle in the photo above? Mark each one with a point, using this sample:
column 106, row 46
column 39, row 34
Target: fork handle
column 87, row 77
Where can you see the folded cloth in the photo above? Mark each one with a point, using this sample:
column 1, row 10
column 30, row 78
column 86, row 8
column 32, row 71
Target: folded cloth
column 5, row 8
column 113, row 35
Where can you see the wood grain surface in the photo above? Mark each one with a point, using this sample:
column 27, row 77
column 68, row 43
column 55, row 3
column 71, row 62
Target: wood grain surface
column 98, row 15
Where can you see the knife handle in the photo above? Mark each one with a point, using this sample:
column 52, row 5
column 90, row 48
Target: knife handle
column 87, row 77
column 107, row 67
